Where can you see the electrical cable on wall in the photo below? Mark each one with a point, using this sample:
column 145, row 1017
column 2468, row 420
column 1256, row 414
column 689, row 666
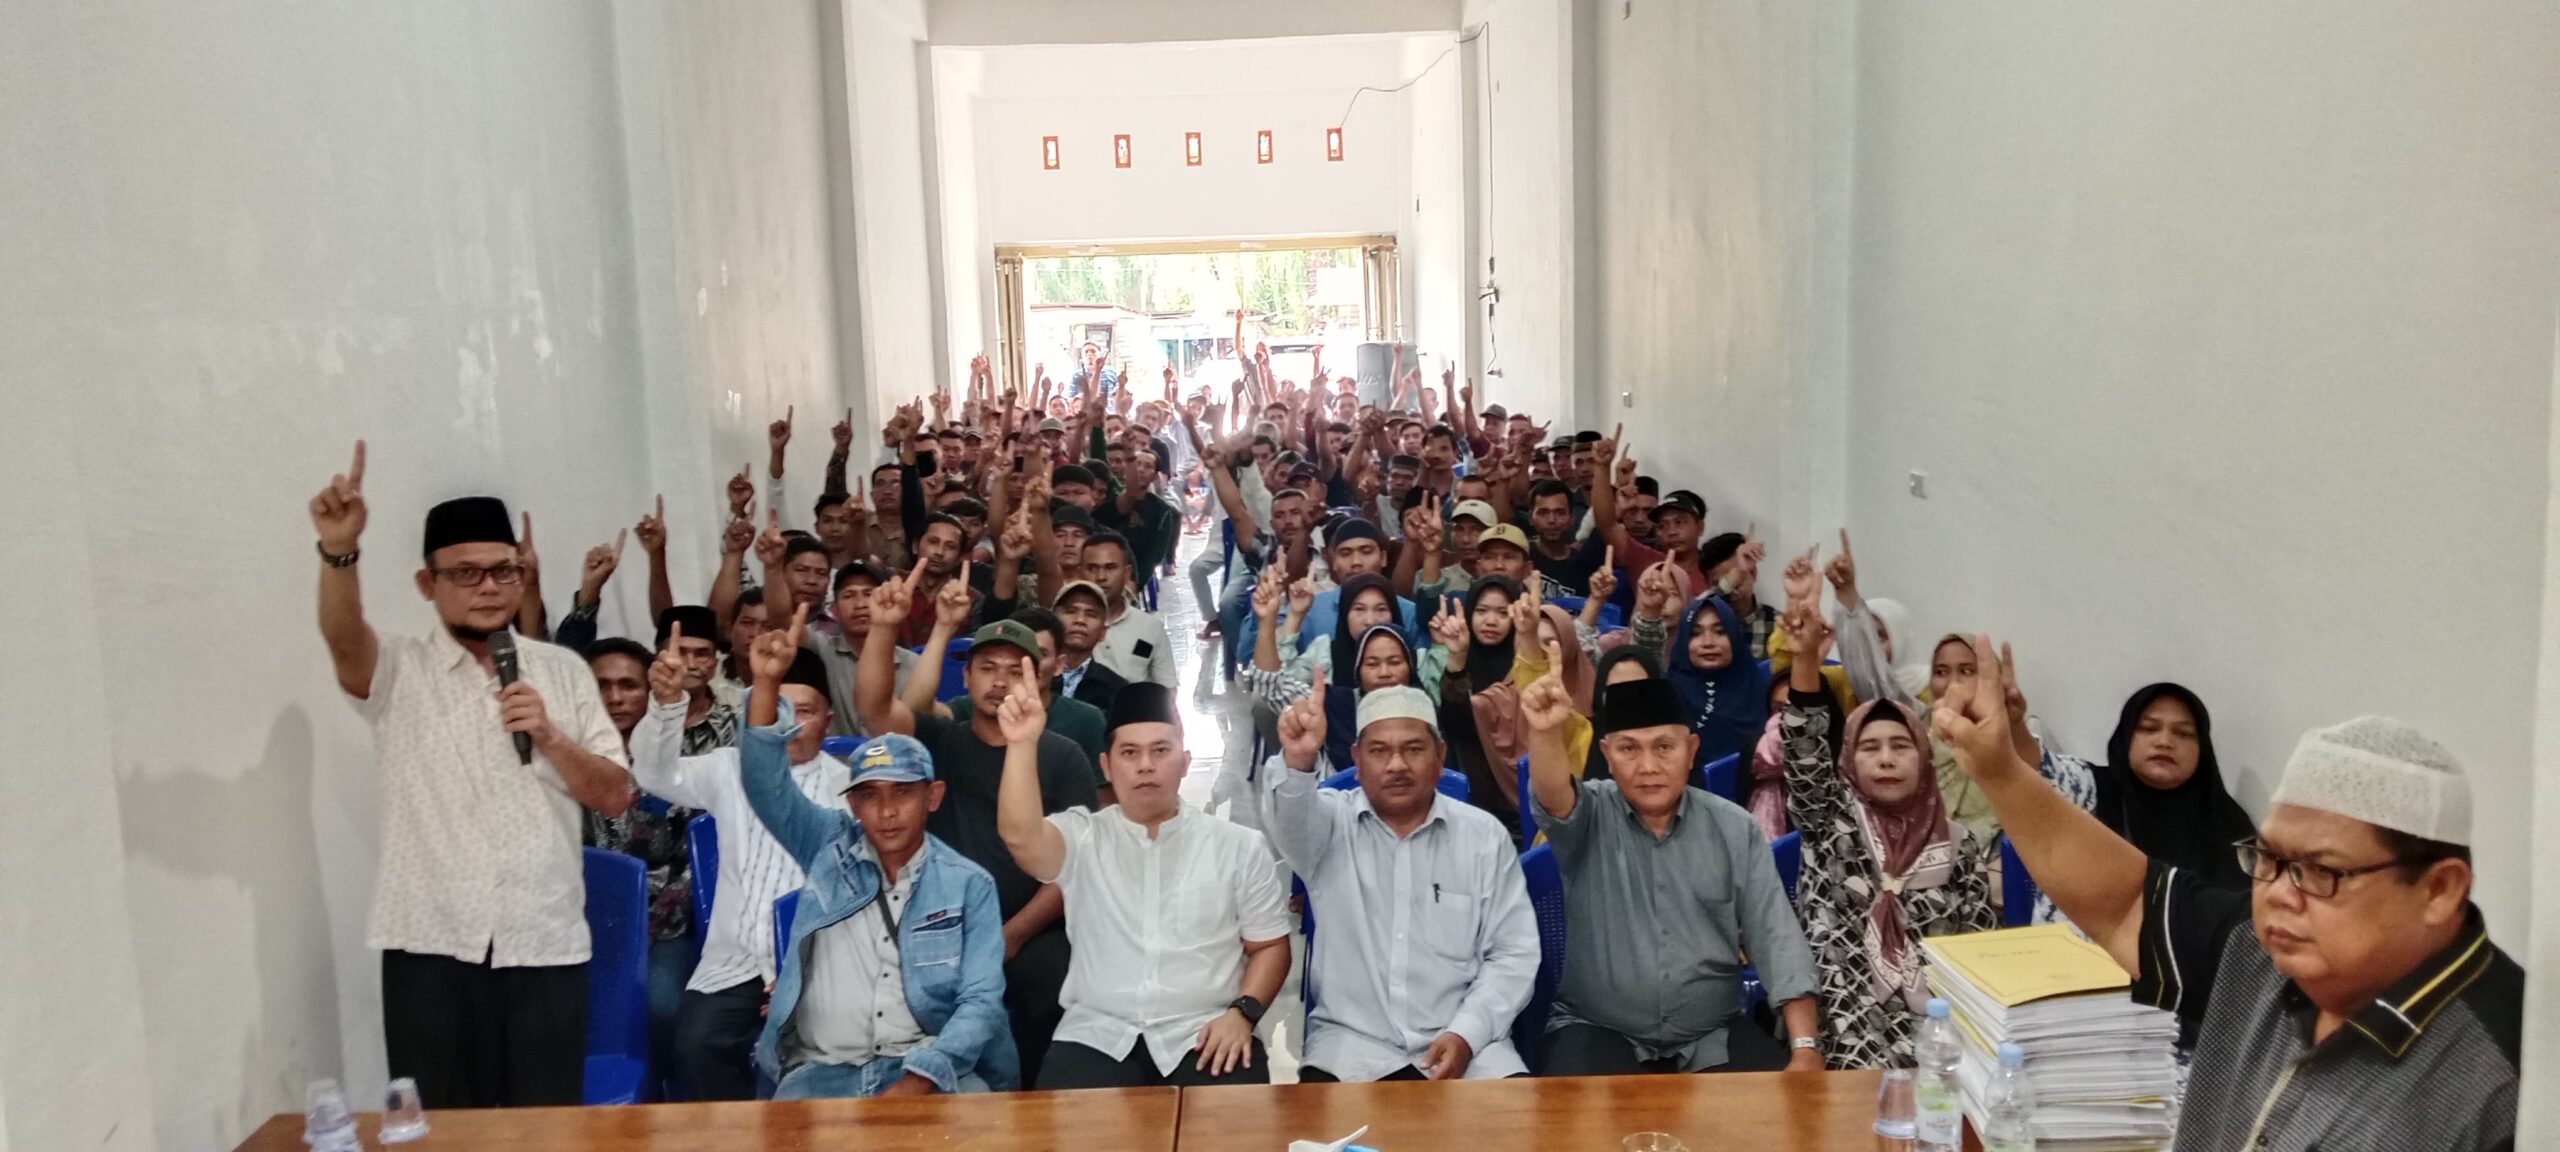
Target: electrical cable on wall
column 1345, row 118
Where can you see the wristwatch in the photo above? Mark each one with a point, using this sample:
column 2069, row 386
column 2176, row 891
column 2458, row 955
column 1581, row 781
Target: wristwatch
column 346, row 561
column 1807, row 1043
column 1252, row 1008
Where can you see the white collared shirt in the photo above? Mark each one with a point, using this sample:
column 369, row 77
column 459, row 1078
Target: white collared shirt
column 1159, row 927
column 1136, row 647
column 754, row 869
column 1414, row 935
column 853, row 1005
column 480, row 856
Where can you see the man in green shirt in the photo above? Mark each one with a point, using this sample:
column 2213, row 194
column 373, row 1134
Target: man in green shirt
column 1133, row 508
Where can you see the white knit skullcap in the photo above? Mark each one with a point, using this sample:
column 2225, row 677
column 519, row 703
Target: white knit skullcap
column 1397, row 702
column 2383, row 772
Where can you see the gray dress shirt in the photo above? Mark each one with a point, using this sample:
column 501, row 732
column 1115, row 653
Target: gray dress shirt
column 1415, row 935
column 1656, row 930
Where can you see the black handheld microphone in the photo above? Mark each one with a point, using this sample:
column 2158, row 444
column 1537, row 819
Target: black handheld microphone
column 502, row 652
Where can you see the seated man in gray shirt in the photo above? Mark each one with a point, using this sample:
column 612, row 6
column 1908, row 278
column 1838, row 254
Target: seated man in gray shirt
column 1429, row 944
column 1667, row 889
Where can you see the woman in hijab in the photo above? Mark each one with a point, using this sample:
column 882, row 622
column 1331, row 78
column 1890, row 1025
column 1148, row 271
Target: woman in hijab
column 1883, row 864
column 1724, row 690
column 1485, row 668
column 2162, row 790
column 1367, row 651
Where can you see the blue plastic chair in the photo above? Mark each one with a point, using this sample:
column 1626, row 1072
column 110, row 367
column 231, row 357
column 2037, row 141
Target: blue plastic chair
column 702, row 844
column 1610, row 617
column 955, row 667
column 783, row 908
column 1722, row 777
column 2017, row 889
column 1453, row 783
column 617, row 1065
column 1546, row 895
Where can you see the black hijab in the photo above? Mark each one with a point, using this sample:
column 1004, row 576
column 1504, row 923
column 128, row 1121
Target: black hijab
column 1488, row 664
column 2191, row 826
column 1346, row 643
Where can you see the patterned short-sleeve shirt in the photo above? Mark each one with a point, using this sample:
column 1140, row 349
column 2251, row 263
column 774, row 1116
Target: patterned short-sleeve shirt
column 479, row 852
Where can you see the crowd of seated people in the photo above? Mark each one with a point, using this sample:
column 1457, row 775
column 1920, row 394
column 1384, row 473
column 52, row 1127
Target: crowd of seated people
column 1511, row 643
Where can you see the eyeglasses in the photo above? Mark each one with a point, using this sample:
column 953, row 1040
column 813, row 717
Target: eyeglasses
column 1417, row 753
column 468, row 576
column 2318, row 881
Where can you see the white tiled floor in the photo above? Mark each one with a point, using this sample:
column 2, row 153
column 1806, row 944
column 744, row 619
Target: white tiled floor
column 1217, row 727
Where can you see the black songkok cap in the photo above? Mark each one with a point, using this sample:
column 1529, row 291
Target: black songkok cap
column 1633, row 704
column 469, row 520
column 1144, row 702
column 698, row 623
column 808, row 672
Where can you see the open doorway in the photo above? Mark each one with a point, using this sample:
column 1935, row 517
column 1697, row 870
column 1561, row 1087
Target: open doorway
column 1146, row 307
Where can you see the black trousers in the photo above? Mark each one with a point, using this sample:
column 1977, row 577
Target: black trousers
column 1033, row 981
column 714, row 1057
column 1591, row 1050
column 1072, row 1065
column 476, row 1036
column 1310, row 1074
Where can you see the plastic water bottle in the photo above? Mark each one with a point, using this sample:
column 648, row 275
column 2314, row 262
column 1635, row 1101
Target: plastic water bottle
column 1940, row 1095
column 328, row 1125
column 2011, row 1105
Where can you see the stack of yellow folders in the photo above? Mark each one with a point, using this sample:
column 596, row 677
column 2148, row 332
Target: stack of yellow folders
column 2102, row 1065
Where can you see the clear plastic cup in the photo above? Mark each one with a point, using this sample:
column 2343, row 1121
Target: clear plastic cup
column 327, row 1121
column 1652, row 1142
column 404, row 1117
column 1897, row 1110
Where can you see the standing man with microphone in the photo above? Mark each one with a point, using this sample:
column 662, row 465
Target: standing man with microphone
column 488, row 747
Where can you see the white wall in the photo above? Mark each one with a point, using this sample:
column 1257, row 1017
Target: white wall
column 241, row 236
column 1433, row 249
column 1157, row 92
column 891, row 243
column 958, row 22
column 2538, row 1121
column 1524, row 223
column 1718, row 270
column 2225, row 335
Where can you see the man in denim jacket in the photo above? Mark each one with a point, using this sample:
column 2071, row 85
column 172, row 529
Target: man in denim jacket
column 892, row 983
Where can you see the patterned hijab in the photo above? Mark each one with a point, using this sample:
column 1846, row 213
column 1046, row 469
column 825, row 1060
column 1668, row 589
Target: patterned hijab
column 1912, row 842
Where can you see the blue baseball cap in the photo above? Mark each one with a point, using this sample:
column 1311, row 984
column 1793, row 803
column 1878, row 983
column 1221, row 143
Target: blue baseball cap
column 894, row 758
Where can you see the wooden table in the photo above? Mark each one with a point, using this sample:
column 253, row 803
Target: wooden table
column 1799, row 1112
column 1117, row 1120
column 1783, row 1112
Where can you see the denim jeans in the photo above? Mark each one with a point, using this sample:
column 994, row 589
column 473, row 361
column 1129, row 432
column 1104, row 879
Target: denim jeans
column 670, row 965
column 825, row 1081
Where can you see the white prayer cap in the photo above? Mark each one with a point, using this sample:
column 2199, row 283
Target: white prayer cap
column 2383, row 772
column 1397, row 702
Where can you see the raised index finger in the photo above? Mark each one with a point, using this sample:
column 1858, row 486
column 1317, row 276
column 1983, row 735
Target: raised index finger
column 355, row 471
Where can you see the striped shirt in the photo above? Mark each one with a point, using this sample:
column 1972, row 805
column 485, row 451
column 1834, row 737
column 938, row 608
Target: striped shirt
column 754, row 869
column 2430, row 1064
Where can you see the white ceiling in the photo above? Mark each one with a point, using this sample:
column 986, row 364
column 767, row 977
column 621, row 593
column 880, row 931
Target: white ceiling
column 1003, row 22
